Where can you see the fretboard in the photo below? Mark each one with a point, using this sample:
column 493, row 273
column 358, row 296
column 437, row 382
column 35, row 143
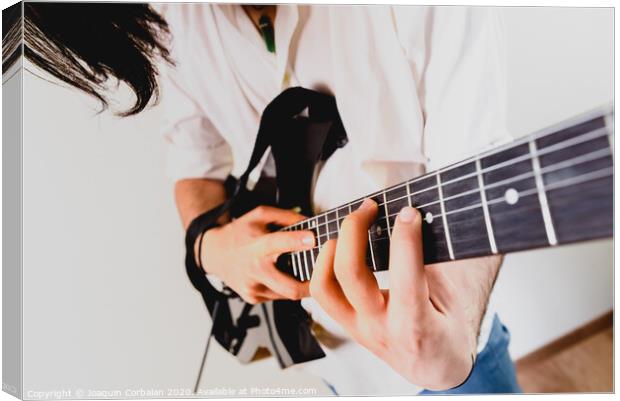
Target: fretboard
column 552, row 187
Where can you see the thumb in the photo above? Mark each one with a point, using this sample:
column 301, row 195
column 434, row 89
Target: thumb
column 408, row 284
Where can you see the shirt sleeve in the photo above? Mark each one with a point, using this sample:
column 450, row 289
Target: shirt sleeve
column 194, row 147
column 457, row 58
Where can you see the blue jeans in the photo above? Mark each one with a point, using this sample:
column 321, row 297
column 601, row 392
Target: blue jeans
column 494, row 371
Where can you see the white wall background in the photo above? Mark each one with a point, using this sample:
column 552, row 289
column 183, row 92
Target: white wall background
column 107, row 305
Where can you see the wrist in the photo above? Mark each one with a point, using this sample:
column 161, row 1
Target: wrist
column 471, row 362
column 202, row 249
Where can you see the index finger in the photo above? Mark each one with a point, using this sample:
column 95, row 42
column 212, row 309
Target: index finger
column 272, row 215
column 285, row 241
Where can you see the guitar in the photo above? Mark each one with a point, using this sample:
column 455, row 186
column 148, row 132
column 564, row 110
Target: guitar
column 551, row 188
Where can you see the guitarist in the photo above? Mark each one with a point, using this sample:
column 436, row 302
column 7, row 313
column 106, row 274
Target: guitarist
column 417, row 88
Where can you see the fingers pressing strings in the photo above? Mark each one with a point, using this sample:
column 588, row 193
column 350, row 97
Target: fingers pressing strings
column 409, row 291
column 357, row 281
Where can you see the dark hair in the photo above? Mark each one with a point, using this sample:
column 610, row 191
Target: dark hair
column 11, row 35
column 85, row 44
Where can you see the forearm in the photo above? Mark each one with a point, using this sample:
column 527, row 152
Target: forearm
column 196, row 196
column 474, row 278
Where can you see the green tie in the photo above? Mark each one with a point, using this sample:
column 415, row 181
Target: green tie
column 266, row 29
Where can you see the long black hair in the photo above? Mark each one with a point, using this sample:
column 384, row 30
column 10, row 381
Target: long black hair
column 86, row 44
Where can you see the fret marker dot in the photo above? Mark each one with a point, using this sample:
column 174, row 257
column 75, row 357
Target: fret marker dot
column 379, row 231
column 428, row 217
column 511, row 196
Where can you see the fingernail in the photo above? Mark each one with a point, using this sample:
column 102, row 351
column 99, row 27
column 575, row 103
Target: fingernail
column 407, row 214
column 308, row 240
column 367, row 204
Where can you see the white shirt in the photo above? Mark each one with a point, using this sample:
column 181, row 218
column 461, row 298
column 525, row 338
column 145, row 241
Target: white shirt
column 417, row 88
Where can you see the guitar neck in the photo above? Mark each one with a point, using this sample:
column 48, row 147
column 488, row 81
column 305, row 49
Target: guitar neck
column 550, row 188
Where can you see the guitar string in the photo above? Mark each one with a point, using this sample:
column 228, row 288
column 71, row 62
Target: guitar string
column 591, row 135
column 601, row 173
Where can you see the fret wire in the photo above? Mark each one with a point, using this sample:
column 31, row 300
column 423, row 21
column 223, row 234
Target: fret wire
column 338, row 217
column 446, row 230
column 542, row 196
column 387, row 219
column 485, row 209
column 570, row 162
column 372, row 252
column 301, row 269
column 305, row 225
column 306, row 264
column 327, row 221
column 310, row 225
column 294, row 265
column 409, row 195
column 532, row 191
column 312, row 261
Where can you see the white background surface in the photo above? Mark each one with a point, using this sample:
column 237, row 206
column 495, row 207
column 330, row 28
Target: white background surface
column 107, row 305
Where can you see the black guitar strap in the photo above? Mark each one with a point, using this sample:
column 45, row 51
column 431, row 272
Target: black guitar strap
column 280, row 119
column 290, row 103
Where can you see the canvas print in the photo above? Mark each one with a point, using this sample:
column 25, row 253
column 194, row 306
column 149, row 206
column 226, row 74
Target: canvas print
column 299, row 200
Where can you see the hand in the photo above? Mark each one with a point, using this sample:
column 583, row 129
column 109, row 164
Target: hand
column 421, row 327
column 243, row 253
